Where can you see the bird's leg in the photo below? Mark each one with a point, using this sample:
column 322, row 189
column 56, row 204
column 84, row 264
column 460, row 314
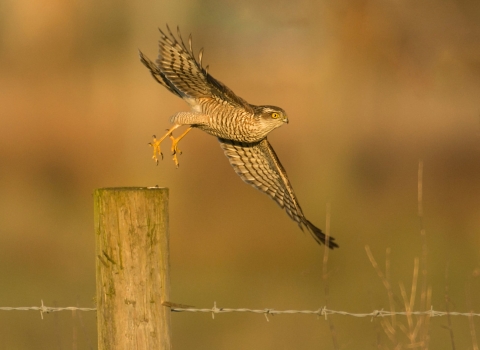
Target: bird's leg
column 175, row 141
column 156, row 143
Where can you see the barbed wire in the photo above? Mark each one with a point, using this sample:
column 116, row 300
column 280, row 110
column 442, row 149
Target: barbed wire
column 325, row 312
column 266, row 312
column 45, row 309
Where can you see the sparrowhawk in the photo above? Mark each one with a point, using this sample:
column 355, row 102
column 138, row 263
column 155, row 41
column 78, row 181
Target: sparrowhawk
column 240, row 127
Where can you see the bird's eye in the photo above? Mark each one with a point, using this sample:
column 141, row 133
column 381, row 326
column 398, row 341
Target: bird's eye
column 275, row 115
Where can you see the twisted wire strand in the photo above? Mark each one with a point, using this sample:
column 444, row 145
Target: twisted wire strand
column 325, row 312
column 266, row 312
column 45, row 309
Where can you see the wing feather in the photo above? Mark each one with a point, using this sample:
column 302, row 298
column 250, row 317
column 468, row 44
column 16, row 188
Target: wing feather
column 258, row 165
column 179, row 71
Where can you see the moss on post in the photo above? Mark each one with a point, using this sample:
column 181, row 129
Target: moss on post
column 132, row 264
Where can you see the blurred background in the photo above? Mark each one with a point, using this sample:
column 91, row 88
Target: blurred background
column 371, row 88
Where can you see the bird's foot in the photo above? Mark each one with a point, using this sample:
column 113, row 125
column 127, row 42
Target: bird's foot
column 175, row 150
column 156, row 149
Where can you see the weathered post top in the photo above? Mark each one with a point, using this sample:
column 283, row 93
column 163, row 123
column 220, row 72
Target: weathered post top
column 132, row 264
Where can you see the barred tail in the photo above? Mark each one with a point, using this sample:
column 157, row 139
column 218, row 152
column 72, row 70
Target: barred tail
column 319, row 236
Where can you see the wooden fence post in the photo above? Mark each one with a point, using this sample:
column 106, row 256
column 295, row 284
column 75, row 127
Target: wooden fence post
column 132, row 264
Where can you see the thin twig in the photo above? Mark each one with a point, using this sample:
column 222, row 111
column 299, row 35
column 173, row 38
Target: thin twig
column 413, row 327
column 387, row 277
column 84, row 330
column 325, row 276
column 391, row 297
column 423, row 236
column 447, row 309
column 473, row 334
column 74, row 335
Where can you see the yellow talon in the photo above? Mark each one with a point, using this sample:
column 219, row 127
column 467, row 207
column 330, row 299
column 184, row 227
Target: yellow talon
column 175, row 151
column 156, row 149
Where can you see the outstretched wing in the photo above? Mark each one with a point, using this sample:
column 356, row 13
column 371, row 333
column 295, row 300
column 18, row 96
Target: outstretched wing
column 180, row 72
column 258, row 165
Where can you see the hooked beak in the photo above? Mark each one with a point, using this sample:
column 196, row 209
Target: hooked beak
column 285, row 120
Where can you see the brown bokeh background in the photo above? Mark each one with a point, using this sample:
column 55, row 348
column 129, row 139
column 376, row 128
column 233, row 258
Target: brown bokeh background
column 371, row 87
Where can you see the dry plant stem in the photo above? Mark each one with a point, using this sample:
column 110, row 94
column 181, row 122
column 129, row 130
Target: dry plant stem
column 413, row 329
column 57, row 327
column 414, row 284
column 389, row 328
column 423, row 236
column 416, row 333
column 387, row 277
column 84, row 330
column 377, row 326
column 447, row 309
column 325, row 276
column 74, row 335
column 426, row 335
column 470, row 318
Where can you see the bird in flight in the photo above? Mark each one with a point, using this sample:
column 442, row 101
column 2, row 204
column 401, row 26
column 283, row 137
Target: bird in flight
column 241, row 128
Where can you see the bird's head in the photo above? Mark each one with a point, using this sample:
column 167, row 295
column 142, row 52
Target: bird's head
column 271, row 117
